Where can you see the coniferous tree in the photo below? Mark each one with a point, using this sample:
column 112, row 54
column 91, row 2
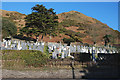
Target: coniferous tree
column 40, row 21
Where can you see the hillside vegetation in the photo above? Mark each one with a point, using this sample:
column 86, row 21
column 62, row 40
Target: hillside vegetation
column 73, row 26
column 8, row 27
column 16, row 17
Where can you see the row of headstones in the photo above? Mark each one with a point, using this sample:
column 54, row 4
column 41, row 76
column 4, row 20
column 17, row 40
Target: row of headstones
column 54, row 48
column 74, row 48
column 82, row 49
column 65, row 51
column 58, row 50
column 20, row 45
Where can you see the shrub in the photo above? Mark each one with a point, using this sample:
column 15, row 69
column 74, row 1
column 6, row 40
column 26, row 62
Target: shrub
column 7, row 14
column 80, row 34
column 8, row 28
column 30, row 57
column 77, row 39
column 69, row 32
column 53, row 34
column 46, row 50
column 68, row 40
column 68, row 22
column 80, row 28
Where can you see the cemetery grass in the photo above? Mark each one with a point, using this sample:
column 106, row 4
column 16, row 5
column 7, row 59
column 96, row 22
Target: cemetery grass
column 31, row 60
column 22, row 59
column 20, row 66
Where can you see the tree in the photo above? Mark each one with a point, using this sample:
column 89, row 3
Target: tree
column 41, row 21
column 68, row 41
column 106, row 39
column 8, row 28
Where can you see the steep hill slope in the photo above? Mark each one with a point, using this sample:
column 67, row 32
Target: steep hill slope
column 16, row 17
column 92, row 28
column 73, row 25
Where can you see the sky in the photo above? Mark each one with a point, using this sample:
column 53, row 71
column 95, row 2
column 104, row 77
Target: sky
column 106, row 12
column 60, row 0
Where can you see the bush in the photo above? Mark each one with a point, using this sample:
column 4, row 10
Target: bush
column 53, row 34
column 8, row 28
column 80, row 34
column 68, row 22
column 46, row 50
column 69, row 32
column 68, row 40
column 7, row 14
column 21, row 37
column 81, row 28
column 30, row 57
column 77, row 39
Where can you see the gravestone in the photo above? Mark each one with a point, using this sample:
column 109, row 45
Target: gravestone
column 34, row 47
column 71, row 49
column 78, row 48
column 30, row 47
column 40, row 48
column 63, row 54
column 74, row 49
column 54, row 54
column 19, row 46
